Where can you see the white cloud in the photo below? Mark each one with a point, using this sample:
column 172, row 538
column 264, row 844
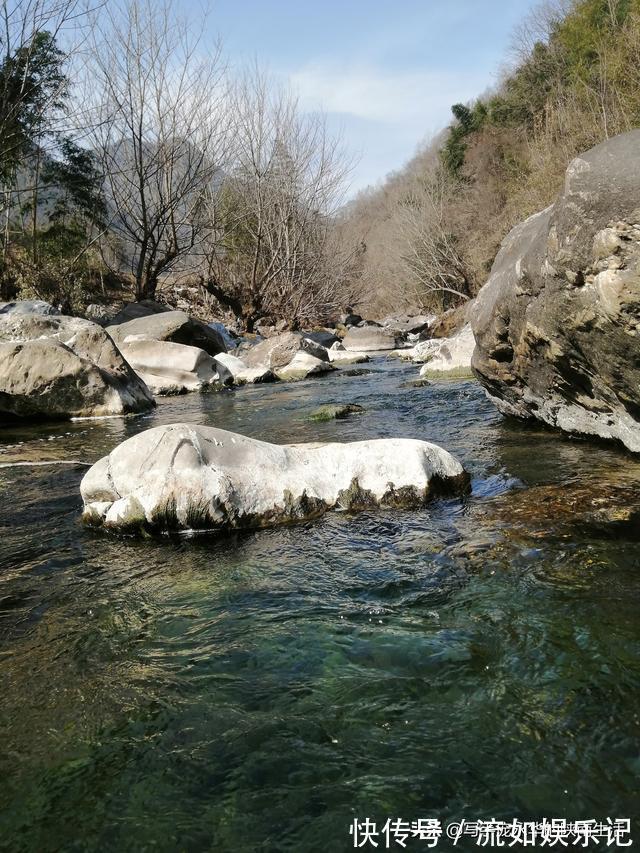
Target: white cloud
column 386, row 96
column 383, row 114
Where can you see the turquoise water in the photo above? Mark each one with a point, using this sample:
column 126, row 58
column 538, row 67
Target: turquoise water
column 256, row 692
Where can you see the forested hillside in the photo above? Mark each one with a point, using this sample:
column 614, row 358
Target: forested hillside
column 132, row 162
column 432, row 230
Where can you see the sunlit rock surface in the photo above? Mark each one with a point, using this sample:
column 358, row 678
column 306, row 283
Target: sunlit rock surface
column 557, row 324
column 446, row 356
column 174, row 326
column 60, row 367
column 279, row 351
column 169, row 368
column 241, row 373
column 186, row 477
column 302, row 365
column 369, row 339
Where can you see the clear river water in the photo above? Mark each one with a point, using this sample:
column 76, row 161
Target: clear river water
column 258, row 691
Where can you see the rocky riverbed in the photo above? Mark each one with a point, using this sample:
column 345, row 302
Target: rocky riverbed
column 477, row 657
column 332, row 580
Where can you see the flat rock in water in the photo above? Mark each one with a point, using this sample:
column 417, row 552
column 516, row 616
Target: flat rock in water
column 338, row 356
column 356, row 371
column 302, row 366
column 186, row 477
column 243, row 375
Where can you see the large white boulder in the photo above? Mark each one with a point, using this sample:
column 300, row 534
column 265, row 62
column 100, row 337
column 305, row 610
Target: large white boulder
column 169, row 368
column 61, row 367
column 187, row 477
column 241, row 374
column 447, row 356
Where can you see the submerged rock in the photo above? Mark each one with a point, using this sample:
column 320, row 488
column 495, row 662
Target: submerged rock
column 174, row 326
column 169, row 368
column 448, row 357
column 356, row 371
column 335, row 411
column 61, row 367
column 557, row 324
column 186, row 477
column 417, row 383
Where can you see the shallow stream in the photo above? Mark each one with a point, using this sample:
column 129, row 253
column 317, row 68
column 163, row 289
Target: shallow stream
column 258, row 691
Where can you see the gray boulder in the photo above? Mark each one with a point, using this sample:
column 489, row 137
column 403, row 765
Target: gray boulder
column 557, row 324
column 97, row 313
column 174, row 326
column 405, row 324
column 369, row 339
column 325, row 337
column 279, row 351
column 61, row 367
column 135, row 310
column 27, row 306
column 169, row 368
column 303, row 365
column 187, row 477
column 241, row 374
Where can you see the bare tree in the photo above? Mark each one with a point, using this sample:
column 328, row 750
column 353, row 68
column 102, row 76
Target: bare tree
column 271, row 219
column 160, row 133
column 537, row 27
column 434, row 262
column 36, row 39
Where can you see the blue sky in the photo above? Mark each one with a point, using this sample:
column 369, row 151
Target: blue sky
column 386, row 73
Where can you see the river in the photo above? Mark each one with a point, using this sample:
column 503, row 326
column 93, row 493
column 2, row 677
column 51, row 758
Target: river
column 258, row 691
